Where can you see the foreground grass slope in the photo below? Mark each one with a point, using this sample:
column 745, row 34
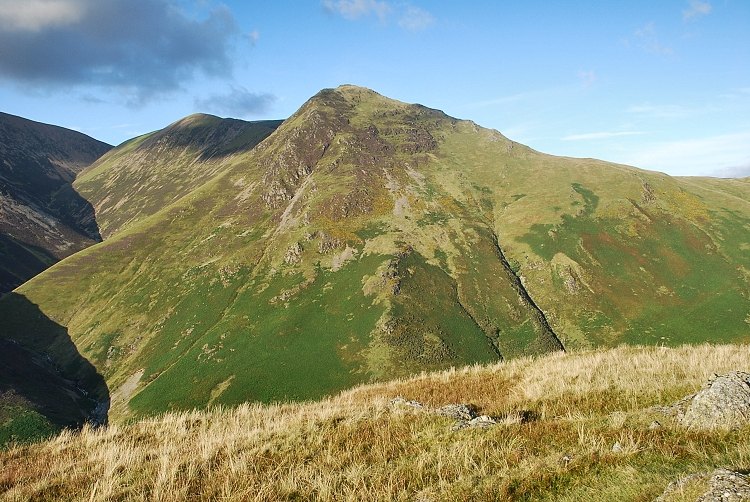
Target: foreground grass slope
column 357, row 446
column 369, row 239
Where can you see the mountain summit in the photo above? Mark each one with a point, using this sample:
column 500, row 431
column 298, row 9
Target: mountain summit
column 365, row 239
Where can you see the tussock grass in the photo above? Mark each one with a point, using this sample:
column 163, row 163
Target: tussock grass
column 356, row 446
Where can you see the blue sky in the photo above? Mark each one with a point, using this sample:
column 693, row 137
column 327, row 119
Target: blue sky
column 661, row 85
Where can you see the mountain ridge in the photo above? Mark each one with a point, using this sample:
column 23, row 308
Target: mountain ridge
column 366, row 239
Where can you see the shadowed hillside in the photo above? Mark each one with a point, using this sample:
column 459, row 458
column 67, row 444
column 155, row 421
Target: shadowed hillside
column 42, row 218
column 39, row 394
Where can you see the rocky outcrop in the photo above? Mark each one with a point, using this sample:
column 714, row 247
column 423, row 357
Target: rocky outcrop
column 293, row 254
column 465, row 416
column 721, row 485
column 723, row 403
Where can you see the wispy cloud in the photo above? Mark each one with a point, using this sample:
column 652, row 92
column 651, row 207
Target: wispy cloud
column 601, row 135
column 253, row 37
column 141, row 49
column 408, row 16
column 415, row 19
column 668, row 111
column 647, row 39
column 355, row 9
column 697, row 9
column 723, row 155
column 237, row 102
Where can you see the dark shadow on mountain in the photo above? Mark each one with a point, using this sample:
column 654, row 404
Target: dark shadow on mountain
column 40, row 364
column 210, row 136
column 76, row 212
column 32, row 249
column 252, row 133
column 19, row 262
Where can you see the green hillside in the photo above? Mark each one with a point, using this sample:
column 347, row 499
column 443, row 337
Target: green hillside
column 369, row 239
column 147, row 173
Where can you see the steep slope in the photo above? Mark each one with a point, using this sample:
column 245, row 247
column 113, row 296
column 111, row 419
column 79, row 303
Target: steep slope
column 148, row 173
column 42, row 219
column 577, row 426
column 366, row 239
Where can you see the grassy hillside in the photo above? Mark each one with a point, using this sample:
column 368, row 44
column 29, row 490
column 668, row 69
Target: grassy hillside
column 560, row 417
column 149, row 172
column 369, row 239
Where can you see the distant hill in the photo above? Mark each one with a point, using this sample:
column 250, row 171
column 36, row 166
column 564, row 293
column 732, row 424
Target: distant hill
column 42, row 219
column 366, row 239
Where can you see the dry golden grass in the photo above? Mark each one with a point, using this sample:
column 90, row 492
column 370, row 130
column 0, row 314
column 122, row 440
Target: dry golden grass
column 356, row 446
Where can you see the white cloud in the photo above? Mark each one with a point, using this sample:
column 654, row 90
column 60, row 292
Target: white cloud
column 648, row 40
column 697, row 8
column 35, row 15
column 723, row 155
column 355, row 9
column 415, row 19
column 601, row 135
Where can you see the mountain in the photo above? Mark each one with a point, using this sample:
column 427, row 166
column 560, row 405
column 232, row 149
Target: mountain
column 367, row 239
column 590, row 425
column 39, row 393
column 147, row 173
column 42, row 219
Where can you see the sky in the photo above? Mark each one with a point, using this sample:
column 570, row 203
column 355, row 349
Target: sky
column 661, row 85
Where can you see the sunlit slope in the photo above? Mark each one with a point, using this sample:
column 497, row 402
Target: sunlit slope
column 145, row 174
column 367, row 239
column 612, row 253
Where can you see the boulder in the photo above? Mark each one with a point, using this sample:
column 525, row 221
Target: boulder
column 723, row 403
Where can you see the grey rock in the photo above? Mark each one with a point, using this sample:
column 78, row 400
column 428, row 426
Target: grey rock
column 723, row 403
column 457, row 411
column 723, row 486
column 465, row 415
column 293, row 254
column 400, row 401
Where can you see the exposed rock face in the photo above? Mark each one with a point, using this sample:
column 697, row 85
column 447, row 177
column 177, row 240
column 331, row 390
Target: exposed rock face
column 724, row 403
column 723, row 486
column 293, row 254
